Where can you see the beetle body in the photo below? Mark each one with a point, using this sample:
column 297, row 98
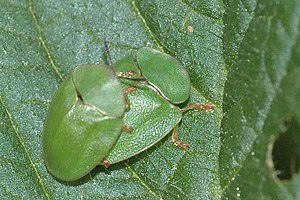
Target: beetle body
column 153, row 115
column 152, row 118
column 84, row 121
column 162, row 71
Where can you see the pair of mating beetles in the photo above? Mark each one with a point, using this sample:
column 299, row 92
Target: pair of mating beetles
column 92, row 107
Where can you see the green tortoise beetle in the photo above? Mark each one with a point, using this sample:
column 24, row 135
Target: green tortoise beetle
column 83, row 123
column 152, row 114
column 162, row 71
column 152, row 117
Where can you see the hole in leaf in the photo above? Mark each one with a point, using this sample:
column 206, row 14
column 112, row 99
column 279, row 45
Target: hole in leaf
column 286, row 151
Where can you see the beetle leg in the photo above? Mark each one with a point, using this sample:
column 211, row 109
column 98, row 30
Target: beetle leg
column 106, row 163
column 199, row 106
column 176, row 141
column 127, row 129
column 127, row 91
column 127, row 74
column 130, row 89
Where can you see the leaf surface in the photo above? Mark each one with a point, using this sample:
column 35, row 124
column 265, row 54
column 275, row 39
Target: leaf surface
column 42, row 41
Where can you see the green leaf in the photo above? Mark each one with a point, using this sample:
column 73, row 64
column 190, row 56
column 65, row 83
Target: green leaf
column 42, row 41
column 261, row 94
column 242, row 56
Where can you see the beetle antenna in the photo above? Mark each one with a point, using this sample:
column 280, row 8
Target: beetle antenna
column 106, row 50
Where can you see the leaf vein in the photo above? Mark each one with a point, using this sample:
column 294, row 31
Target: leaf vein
column 160, row 44
column 196, row 11
column 20, row 139
column 142, row 182
column 42, row 39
